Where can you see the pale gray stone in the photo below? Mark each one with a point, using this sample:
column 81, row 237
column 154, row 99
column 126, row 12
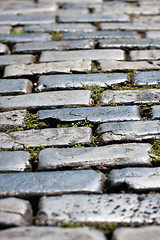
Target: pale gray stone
column 153, row 34
column 100, row 35
column 5, row 30
column 25, row 37
column 88, row 18
column 130, row 96
column 15, row 86
column 15, row 212
column 113, row 65
column 142, row 233
column 116, row 208
column 51, row 183
column 156, row 112
column 4, row 49
column 51, row 233
column 96, row 114
column 46, row 137
column 16, row 161
column 141, row 43
column 113, row 156
column 58, row 27
column 66, row 81
column 42, row 68
column 54, row 45
column 46, row 99
column 26, row 19
column 139, row 179
column 129, row 26
column 6, row 60
column 145, row 55
column 129, row 131
column 12, row 118
column 147, row 78
column 146, row 19
column 54, row 56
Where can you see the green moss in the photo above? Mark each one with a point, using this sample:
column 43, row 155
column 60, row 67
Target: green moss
column 96, row 91
column 78, row 124
column 18, row 31
column 132, row 73
column 34, row 153
column 155, row 154
column 56, row 36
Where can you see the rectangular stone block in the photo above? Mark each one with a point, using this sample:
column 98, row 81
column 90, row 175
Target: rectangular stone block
column 130, row 96
column 12, row 118
column 130, row 26
column 25, row 37
column 54, row 56
column 113, row 65
column 4, row 49
column 95, row 115
column 129, row 131
column 122, row 155
column 6, row 60
column 144, row 55
column 156, row 112
column 15, row 212
column 94, row 17
column 116, row 208
column 137, row 179
column 17, row 161
column 32, row 233
column 46, row 99
column 153, row 34
column 50, row 183
column 56, row 137
column 15, row 86
column 57, row 45
column 66, row 81
column 5, row 30
column 146, row 78
column 61, row 27
column 43, row 68
column 99, row 35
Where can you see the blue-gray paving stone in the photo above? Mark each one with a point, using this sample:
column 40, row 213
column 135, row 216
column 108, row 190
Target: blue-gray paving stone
column 16, row 161
column 130, row 96
column 99, row 35
column 96, row 114
column 138, row 179
column 58, row 27
column 155, row 112
column 144, row 54
column 113, row 156
column 54, row 45
column 15, row 86
column 147, row 78
column 95, row 54
column 112, row 208
column 50, row 183
column 5, row 30
column 12, row 119
column 25, row 37
column 129, row 26
column 153, row 34
column 15, row 212
column 129, row 131
column 4, row 49
column 48, row 137
column 6, row 60
column 66, row 81
column 46, row 99
column 141, row 233
column 38, row 233
column 89, row 18
column 26, row 19
column 141, row 43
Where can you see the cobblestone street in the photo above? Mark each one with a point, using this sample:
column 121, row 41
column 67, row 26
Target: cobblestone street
column 80, row 119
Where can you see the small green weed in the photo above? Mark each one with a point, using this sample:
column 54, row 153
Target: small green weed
column 56, row 36
column 145, row 110
column 155, row 154
column 96, row 91
column 34, row 152
column 18, row 32
column 78, row 124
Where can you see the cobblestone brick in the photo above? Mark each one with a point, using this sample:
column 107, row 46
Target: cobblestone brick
column 117, row 208
column 12, row 118
column 111, row 156
column 15, row 212
column 147, row 78
column 144, row 55
column 130, row 26
column 6, row 60
column 153, row 34
column 4, row 49
column 51, row 183
column 5, row 30
column 156, row 112
column 15, row 86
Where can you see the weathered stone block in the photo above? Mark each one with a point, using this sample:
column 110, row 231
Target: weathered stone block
column 153, row 34
column 147, row 78
column 156, row 112
column 17, row 161
column 129, row 131
column 15, row 212
column 4, row 49
column 144, row 55
column 130, row 26
column 6, row 60
column 43, row 68
column 12, row 118
column 46, row 99
column 50, row 183
column 117, row 208
column 5, row 30
column 110, row 156
column 139, row 179
column 15, row 86
column 49, row 137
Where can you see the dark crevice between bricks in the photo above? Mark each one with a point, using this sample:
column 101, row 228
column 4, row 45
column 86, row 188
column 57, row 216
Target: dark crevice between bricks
column 146, row 111
column 127, row 55
column 34, row 203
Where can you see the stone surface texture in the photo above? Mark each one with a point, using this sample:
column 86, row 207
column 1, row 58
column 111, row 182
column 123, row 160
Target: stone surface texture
column 12, row 118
